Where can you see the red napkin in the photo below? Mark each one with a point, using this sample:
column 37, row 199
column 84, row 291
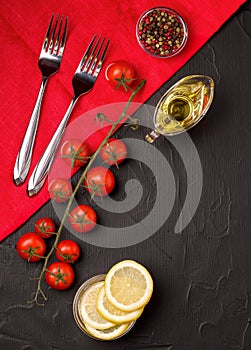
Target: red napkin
column 24, row 24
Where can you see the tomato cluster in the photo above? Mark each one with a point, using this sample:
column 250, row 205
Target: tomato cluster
column 99, row 180
column 32, row 247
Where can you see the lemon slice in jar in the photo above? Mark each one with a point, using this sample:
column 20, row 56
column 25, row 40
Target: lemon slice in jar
column 87, row 308
column 107, row 334
column 111, row 313
column 128, row 286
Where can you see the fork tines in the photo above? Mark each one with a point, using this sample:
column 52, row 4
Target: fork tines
column 94, row 56
column 54, row 41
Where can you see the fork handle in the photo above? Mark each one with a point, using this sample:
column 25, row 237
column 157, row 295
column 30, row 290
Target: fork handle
column 42, row 168
column 24, row 156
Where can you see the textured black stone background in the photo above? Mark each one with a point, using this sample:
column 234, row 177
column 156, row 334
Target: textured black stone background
column 202, row 295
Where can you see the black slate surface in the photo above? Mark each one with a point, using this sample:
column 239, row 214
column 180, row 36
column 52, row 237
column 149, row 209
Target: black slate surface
column 202, row 294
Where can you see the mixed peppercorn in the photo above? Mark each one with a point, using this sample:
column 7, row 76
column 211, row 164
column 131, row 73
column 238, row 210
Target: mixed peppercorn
column 161, row 32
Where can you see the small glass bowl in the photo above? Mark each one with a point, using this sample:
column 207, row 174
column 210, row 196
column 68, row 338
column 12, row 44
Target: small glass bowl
column 75, row 306
column 161, row 32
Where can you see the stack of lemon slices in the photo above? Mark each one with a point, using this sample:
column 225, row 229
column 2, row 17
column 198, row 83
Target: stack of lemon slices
column 108, row 308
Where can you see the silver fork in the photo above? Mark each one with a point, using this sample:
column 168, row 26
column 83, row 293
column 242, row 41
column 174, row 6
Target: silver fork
column 49, row 63
column 82, row 82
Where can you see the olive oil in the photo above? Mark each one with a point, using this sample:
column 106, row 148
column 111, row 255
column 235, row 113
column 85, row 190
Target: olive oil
column 182, row 106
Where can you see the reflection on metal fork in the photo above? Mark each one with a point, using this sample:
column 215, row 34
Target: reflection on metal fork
column 82, row 82
column 49, row 63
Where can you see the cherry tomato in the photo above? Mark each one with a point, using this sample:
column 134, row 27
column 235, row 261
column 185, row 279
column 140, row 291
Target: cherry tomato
column 99, row 181
column 60, row 190
column 75, row 153
column 114, row 152
column 120, row 73
column 31, row 247
column 59, row 275
column 67, row 251
column 82, row 218
column 44, row 227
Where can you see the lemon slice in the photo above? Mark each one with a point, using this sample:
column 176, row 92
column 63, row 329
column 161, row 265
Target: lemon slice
column 128, row 286
column 107, row 334
column 87, row 308
column 111, row 313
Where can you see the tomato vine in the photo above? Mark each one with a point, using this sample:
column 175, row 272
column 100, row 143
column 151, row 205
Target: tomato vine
column 39, row 292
